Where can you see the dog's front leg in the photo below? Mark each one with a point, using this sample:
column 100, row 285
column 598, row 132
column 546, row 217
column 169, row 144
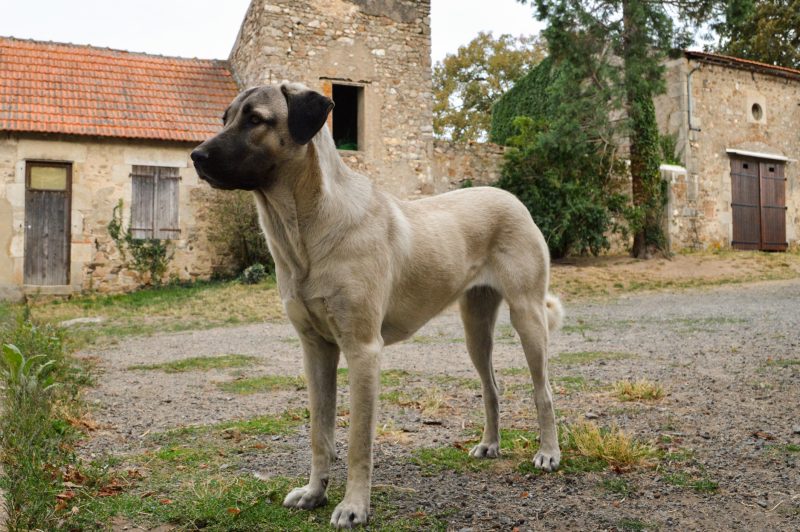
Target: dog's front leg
column 364, row 376
column 320, row 359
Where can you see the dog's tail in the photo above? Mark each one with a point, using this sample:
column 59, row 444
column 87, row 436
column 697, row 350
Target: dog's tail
column 555, row 312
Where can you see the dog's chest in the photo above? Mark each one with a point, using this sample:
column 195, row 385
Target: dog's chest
column 312, row 316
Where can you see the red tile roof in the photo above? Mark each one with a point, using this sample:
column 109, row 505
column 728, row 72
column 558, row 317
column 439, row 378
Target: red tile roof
column 82, row 90
column 746, row 64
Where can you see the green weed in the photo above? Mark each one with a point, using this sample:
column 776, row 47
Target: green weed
column 203, row 363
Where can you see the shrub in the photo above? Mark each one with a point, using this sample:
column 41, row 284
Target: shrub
column 235, row 234
column 254, row 274
column 33, row 437
column 144, row 255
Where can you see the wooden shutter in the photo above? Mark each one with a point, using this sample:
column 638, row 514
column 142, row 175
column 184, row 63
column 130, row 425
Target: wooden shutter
column 773, row 206
column 745, row 204
column 142, row 201
column 154, row 202
column 166, row 214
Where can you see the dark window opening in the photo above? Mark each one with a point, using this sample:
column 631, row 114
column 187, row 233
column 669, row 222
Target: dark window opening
column 345, row 116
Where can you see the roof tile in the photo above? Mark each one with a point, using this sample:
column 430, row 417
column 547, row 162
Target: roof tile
column 83, row 90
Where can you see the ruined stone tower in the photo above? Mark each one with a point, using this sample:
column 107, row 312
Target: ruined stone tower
column 372, row 57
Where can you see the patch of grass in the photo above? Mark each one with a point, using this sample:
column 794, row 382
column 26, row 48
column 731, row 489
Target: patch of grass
column 263, row 384
column 457, row 382
column 172, row 307
column 428, row 339
column 784, row 362
column 436, row 459
column 39, row 393
column 704, row 324
column 788, row 448
column 587, row 357
column 570, row 384
column 633, row 525
column 204, row 363
column 640, row 390
column 699, row 483
column 617, row 486
column 196, row 478
column 505, row 334
column 514, row 372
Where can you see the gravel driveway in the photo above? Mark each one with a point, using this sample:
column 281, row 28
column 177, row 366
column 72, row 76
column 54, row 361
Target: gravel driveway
column 728, row 358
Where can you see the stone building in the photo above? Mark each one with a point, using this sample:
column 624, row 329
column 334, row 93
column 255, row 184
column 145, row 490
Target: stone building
column 373, row 57
column 736, row 126
column 82, row 128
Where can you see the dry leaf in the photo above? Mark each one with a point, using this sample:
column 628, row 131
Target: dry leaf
column 165, row 501
column 234, row 511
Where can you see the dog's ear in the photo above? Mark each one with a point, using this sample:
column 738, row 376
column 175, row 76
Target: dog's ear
column 308, row 111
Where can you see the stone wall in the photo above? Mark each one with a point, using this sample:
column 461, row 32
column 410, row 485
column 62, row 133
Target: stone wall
column 100, row 177
column 382, row 46
column 456, row 163
column 721, row 118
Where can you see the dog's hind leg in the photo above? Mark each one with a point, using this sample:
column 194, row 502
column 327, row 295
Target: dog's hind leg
column 320, row 359
column 529, row 318
column 479, row 312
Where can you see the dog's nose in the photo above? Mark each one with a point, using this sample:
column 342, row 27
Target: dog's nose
column 199, row 155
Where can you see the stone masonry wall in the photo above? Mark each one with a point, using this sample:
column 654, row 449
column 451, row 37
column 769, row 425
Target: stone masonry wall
column 456, row 163
column 100, row 177
column 380, row 45
column 722, row 118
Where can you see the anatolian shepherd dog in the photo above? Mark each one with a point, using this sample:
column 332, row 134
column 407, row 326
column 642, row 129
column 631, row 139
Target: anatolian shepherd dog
column 359, row 269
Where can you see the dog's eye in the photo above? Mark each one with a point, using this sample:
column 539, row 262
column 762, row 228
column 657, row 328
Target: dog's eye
column 255, row 119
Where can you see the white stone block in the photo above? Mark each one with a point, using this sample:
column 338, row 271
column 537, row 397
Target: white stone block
column 15, row 194
column 17, row 248
column 82, row 252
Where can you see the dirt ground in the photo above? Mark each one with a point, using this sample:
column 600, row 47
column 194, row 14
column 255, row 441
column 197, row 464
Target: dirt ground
column 727, row 357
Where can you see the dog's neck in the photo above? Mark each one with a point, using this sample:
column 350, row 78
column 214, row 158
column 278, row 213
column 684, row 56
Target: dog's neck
column 297, row 212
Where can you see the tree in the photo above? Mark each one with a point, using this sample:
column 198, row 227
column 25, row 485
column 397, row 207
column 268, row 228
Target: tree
column 619, row 47
column 466, row 84
column 766, row 31
column 561, row 158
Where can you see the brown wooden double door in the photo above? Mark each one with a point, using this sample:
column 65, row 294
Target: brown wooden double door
column 758, row 204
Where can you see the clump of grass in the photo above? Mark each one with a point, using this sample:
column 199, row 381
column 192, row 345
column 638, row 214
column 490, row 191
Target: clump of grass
column 263, row 384
column 699, row 483
column 610, row 446
column 203, row 363
column 389, row 432
column 617, row 486
column 640, row 390
column 35, row 376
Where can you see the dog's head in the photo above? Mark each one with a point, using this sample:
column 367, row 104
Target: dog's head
column 264, row 129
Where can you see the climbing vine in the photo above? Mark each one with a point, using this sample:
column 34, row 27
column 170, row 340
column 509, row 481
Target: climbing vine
column 143, row 255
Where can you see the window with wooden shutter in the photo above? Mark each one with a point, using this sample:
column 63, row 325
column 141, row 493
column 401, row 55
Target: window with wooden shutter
column 154, row 205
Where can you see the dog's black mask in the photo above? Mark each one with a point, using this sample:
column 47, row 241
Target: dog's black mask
column 264, row 127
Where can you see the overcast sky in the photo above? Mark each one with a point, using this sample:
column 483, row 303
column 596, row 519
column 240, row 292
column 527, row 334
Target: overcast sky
column 207, row 28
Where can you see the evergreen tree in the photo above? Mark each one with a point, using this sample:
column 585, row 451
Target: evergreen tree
column 619, row 46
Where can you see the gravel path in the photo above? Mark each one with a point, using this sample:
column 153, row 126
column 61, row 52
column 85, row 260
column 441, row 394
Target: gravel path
column 727, row 357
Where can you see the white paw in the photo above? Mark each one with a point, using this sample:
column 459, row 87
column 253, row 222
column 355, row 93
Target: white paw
column 350, row 514
column 485, row 450
column 547, row 461
column 305, row 498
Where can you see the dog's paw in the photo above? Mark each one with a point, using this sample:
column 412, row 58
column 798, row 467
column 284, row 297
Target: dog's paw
column 485, row 450
column 547, row 461
column 349, row 514
column 305, row 498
